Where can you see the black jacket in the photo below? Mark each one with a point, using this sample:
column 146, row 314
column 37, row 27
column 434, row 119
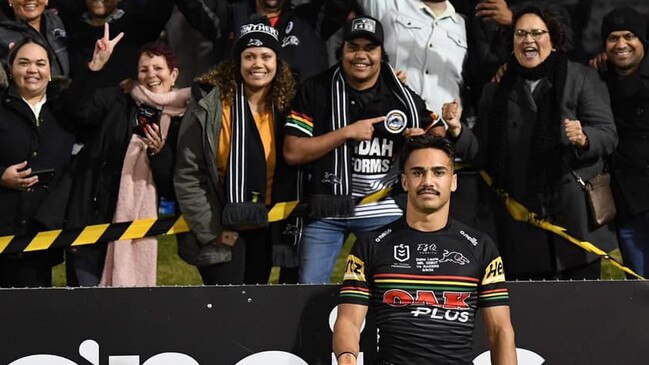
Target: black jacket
column 630, row 161
column 302, row 46
column 140, row 26
column 45, row 143
column 52, row 33
column 111, row 114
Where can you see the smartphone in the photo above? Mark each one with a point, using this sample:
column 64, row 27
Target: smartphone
column 45, row 176
column 146, row 115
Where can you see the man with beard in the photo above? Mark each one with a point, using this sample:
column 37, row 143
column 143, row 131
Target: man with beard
column 624, row 32
column 346, row 127
column 425, row 276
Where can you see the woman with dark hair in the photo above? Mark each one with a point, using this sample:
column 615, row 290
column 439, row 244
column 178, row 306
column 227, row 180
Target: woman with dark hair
column 229, row 167
column 35, row 146
column 545, row 119
column 126, row 163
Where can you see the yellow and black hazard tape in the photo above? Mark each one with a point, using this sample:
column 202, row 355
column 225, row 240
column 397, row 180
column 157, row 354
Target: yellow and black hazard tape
column 62, row 238
column 92, row 234
column 520, row 213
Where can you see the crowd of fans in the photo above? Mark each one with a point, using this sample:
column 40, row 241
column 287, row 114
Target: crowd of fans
column 312, row 101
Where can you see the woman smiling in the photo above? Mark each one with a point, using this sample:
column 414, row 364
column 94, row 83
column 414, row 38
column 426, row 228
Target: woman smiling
column 546, row 118
column 35, row 146
column 228, row 171
column 126, row 163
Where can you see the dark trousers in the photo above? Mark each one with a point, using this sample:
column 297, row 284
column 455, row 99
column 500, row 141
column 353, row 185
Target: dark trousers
column 251, row 261
column 85, row 264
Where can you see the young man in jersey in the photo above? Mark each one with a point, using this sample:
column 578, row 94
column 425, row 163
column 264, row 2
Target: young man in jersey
column 425, row 276
column 346, row 127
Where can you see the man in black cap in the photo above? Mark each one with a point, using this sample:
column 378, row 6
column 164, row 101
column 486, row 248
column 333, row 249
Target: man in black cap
column 624, row 32
column 346, row 126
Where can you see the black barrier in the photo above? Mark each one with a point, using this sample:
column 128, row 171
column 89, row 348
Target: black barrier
column 556, row 323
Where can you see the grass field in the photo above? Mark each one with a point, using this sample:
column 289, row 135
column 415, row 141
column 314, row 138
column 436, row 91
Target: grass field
column 172, row 270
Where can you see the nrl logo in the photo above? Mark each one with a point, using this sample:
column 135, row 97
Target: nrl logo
column 401, row 252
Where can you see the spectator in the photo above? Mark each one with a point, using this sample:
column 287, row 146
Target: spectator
column 236, row 110
column 547, row 117
column 125, row 164
column 35, row 138
column 410, row 271
column 84, row 21
column 346, row 126
column 427, row 40
column 302, row 46
column 31, row 18
column 624, row 32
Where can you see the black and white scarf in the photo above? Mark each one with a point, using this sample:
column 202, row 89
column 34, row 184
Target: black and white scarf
column 245, row 178
column 332, row 194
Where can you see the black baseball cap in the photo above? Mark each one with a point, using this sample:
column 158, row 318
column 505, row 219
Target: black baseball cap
column 364, row 27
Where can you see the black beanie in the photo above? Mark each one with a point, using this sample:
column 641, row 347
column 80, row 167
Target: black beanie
column 625, row 19
column 257, row 35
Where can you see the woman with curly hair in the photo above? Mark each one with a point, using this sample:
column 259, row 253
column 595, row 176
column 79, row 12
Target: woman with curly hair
column 228, row 172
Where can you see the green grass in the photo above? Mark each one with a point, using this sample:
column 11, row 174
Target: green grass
column 172, row 270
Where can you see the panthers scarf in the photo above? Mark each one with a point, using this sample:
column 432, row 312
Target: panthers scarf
column 245, row 178
column 332, row 192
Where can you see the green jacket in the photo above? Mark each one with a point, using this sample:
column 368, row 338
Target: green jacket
column 199, row 193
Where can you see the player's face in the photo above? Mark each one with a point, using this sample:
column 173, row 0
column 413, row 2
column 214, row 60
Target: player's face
column 429, row 179
column 361, row 62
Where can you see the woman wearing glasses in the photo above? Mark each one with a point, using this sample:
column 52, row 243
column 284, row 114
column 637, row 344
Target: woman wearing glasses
column 547, row 117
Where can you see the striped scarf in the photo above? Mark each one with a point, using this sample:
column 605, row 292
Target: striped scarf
column 332, row 196
column 245, row 179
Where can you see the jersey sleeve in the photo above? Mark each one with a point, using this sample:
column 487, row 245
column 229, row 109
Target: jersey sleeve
column 492, row 288
column 356, row 282
column 299, row 121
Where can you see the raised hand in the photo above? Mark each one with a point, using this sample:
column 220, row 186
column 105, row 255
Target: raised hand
column 451, row 113
column 103, row 49
column 575, row 133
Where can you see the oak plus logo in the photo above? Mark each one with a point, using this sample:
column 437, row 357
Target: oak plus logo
column 89, row 350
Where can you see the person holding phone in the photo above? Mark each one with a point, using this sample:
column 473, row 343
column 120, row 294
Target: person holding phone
column 35, row 146
column 126, row 163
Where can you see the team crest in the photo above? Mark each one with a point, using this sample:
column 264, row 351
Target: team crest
column 395, row 121
column 254, row 42
column 401, row 252
column 365, row 24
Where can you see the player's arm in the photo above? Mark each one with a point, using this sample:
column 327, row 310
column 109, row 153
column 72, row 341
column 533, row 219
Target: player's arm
column 347, row 332
column 500, row 334
column 301, row 150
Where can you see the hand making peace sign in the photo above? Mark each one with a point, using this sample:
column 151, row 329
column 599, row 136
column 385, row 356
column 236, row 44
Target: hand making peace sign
column 103, row 49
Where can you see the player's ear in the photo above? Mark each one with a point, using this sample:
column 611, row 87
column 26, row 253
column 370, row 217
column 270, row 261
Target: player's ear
column 403, row 182
column 454, row 182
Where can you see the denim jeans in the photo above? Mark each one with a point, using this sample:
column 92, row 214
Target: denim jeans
column 322, row 240
column 633, row 237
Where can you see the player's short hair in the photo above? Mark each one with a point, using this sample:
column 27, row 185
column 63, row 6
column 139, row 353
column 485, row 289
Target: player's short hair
column 427, row 141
